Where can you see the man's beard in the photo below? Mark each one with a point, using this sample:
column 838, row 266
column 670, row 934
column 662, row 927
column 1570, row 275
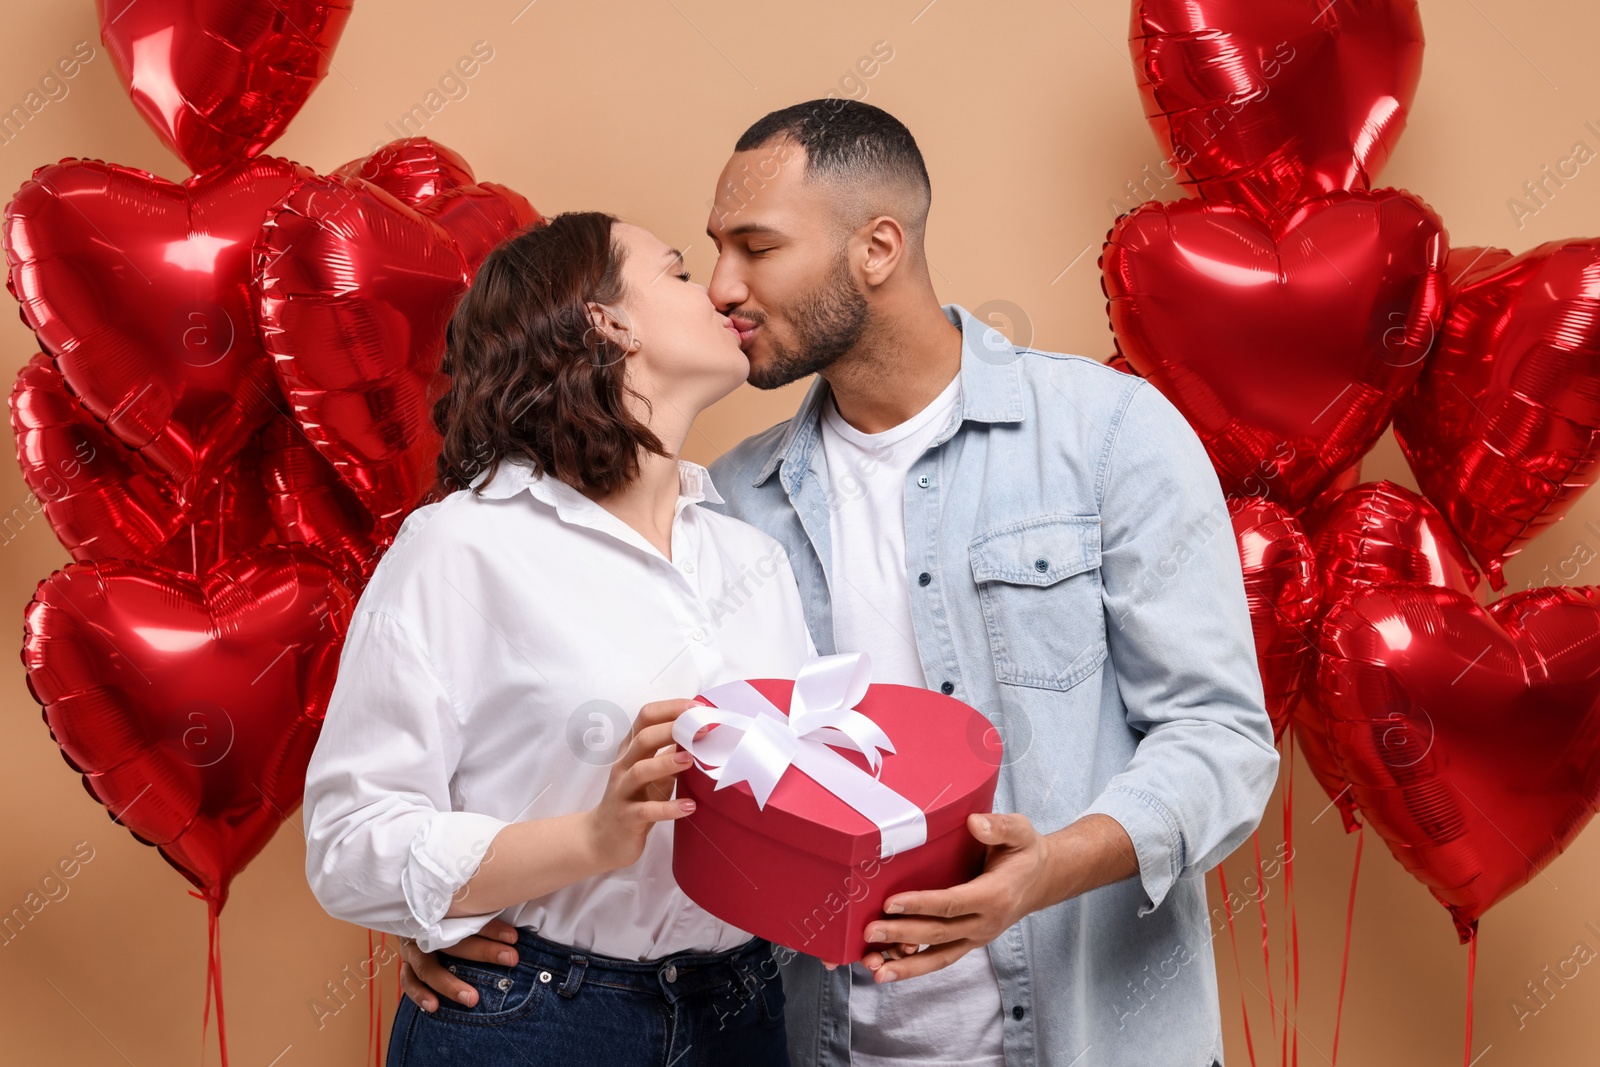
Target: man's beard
column 828, row 322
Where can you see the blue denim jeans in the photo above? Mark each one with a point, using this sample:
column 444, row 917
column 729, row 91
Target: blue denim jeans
column 562, row 1006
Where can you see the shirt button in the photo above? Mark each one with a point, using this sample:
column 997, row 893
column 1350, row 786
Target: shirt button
column 699, row 634
column 1041, row 565
column 924, row 578
column 947, row 688
column 924, row 481
column 1018, row 1012
column 688, row 566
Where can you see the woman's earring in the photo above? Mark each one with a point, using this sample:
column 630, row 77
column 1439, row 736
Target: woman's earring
column 634, row 344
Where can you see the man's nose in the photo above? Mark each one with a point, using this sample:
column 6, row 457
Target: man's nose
column 726, row 289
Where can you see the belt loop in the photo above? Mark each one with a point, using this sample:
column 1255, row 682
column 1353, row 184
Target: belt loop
column 747, row 976
column 574, row 975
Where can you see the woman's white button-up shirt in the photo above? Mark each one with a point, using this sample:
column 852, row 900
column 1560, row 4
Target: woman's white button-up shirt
column 490, row 673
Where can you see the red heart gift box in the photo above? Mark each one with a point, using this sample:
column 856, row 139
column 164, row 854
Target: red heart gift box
column 819, row 797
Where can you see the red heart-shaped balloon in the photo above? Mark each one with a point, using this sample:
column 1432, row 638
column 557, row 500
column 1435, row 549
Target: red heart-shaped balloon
column 1379, row 533
column 1371, row 535
column 1287, row 344
column 1503, row 427
column 1470, row 737
column 218, row 80
column 310, row 504
column 102, row 501
column 1280, row 582
column 140, row 288
column 355, row 289
column 190, row 706
column 1269, row 103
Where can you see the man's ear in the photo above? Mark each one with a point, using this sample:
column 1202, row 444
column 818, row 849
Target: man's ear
column 885, row 249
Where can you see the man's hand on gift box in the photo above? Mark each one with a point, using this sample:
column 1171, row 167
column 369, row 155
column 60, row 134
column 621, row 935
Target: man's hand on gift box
column 1023, row 871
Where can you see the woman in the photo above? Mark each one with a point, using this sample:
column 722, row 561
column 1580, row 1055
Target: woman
column 480, row 757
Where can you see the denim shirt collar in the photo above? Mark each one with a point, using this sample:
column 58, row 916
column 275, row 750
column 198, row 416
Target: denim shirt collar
column 991, row 391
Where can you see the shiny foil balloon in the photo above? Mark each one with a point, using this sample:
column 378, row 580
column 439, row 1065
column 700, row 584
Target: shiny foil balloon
column 229, row 515
column 1285, row 345
column 190, row 706
column 103, row 502
column 1381, row 532
column 1371, row 535
column 310, row 504
column 1503, row 428
column 96, row 493
column 140, row 289
column 355, row 288
column 219, row 80
column 1280, row 581
column 1470, row 737
column 1268, row 102
column 1470, row 262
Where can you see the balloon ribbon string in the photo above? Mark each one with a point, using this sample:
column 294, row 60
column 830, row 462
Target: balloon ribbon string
column 1244, row 1009
column 377, row 1019
column 1349, row 918
column 213, row 977
column 1266, row 955
column 1288, row 899
column 1472, row 966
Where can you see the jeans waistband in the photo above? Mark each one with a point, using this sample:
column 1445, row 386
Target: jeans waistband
column 678, row 975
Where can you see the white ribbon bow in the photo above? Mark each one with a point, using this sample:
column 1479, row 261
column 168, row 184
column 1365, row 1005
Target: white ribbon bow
column 756, row 743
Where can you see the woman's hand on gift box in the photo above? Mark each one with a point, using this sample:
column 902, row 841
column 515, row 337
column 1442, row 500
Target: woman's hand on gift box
column 1024, row 870
column 639, row 790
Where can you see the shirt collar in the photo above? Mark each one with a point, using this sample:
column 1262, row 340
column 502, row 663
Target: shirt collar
column 991, row 391
column 516, row 473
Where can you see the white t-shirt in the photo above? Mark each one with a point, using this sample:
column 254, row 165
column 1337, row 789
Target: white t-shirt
column 951, row 1016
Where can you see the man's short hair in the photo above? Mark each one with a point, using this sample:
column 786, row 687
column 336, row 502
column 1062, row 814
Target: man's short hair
column 859, row 148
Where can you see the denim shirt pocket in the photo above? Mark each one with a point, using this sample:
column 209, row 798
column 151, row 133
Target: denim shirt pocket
column 1039, row 585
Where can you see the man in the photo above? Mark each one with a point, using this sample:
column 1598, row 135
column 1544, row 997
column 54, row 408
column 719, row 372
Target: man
column 1036, row 534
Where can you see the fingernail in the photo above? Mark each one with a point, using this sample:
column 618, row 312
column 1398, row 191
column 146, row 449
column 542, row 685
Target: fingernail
column 686, row 805
column 895, row 908
column 465, row 996
column 508, row 958
column 888, row 975
column 983, row 824
column 681, row 757
column 874, row 933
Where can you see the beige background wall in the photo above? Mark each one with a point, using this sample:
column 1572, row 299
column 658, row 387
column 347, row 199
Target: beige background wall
column 1030, row 122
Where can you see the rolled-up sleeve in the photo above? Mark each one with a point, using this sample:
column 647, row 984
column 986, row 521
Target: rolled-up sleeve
column 384, row 849
column 1180, row 642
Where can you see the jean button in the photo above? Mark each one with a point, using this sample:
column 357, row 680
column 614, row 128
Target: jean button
column 671, row 973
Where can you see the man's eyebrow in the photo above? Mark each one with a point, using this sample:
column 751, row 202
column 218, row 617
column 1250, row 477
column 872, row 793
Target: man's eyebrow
column 748, row 227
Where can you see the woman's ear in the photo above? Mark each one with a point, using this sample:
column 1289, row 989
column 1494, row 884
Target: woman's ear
column 613, row 323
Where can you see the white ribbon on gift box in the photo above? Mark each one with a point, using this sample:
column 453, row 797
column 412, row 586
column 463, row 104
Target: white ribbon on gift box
column 756, row 743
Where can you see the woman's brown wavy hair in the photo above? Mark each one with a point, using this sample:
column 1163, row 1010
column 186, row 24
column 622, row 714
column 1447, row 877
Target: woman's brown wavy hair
column 528, row 376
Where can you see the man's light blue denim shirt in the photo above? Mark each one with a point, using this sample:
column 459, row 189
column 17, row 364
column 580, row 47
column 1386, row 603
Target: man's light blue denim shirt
column 1082, row 589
